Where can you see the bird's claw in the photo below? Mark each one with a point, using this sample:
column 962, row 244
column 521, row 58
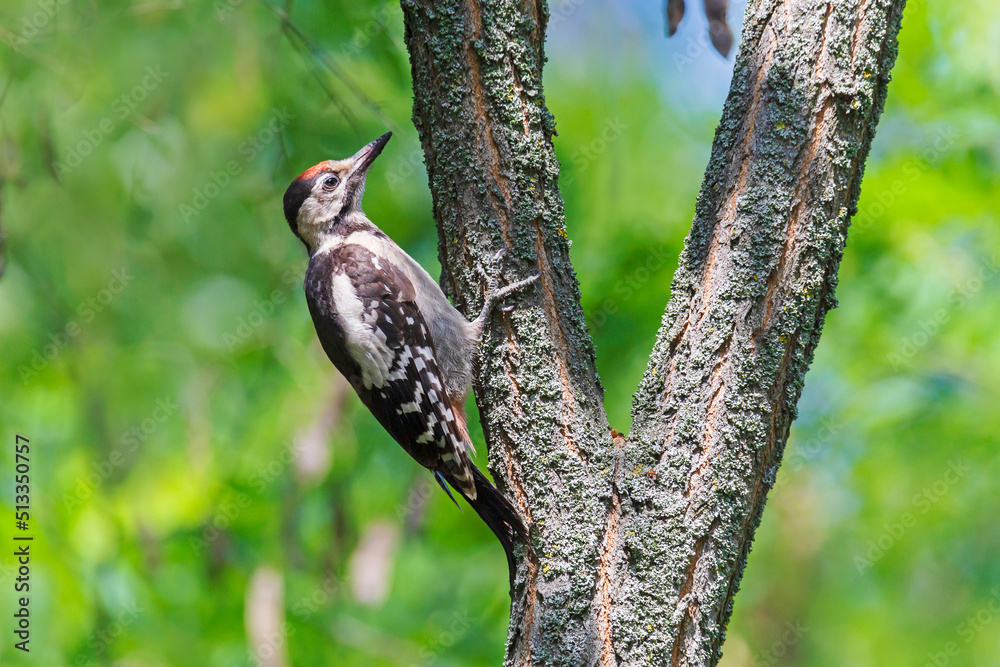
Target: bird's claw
column 493, row 294
column 492, row 280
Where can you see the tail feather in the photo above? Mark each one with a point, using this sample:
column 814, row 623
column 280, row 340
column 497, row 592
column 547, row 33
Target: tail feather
column 444, row 485
column 501, row 517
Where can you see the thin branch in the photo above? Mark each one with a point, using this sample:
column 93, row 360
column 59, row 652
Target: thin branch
column 318, row 60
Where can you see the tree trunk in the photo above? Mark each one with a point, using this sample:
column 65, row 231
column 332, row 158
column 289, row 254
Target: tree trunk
column 640, row 542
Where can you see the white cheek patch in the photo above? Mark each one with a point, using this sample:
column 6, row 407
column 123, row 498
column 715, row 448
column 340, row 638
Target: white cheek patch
column 365, row 344
column 313, row 214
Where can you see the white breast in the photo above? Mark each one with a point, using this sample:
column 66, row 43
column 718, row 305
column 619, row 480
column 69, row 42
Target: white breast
column 454, row 337
column 365, row 343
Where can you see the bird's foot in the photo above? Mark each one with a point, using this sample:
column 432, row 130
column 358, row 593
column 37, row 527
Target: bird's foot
column 495, row 293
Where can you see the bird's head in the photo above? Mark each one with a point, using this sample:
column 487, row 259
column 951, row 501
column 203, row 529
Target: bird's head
column 324, row 199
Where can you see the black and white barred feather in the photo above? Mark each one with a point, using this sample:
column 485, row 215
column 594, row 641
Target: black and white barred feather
column 372, row 330
column 368, row 321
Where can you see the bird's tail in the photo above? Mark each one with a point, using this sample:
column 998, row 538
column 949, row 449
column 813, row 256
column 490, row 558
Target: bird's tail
column 501, row 517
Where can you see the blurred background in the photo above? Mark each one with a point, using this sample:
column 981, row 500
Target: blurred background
column 205, row 491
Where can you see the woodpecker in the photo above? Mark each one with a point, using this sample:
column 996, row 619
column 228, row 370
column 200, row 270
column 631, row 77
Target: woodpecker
column 389, row 329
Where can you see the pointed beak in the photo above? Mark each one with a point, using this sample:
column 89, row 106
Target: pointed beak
column 364, row 157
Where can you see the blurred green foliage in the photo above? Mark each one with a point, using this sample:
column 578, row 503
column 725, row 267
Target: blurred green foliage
column 194, row 453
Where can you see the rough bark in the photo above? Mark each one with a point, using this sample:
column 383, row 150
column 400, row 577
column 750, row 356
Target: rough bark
column 487, row 136
column 640, row 542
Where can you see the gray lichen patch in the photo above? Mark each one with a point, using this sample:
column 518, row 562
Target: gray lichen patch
column 639, row 543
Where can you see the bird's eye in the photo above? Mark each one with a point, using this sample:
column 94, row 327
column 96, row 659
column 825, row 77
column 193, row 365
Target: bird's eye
column 331, row 182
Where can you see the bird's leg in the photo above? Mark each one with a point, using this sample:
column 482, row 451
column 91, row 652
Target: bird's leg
column 494, row 293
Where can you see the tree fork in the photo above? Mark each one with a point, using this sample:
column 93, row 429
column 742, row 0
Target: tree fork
column 640, row 542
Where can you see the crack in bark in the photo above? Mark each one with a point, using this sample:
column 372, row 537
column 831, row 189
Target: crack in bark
column 508, row 366
column 690, row 608
column 817, row 135
column 519, row 93
column 703, row 455
column 604, row 573
column 484, row 128
column 484, row 131
column 743, row 154
column 821, row 59
column 856, row 38
column 537, row 13
column 786, row 5
column 476, row 19
column 559, row 342
column 522, row 640
column 746, row 531
column 680, row 336
column 513, row 479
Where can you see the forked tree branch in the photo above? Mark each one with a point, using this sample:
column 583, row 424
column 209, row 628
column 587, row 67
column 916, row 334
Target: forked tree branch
column 640, row 542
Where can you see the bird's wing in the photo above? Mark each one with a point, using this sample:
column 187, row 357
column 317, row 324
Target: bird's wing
column 397, row 375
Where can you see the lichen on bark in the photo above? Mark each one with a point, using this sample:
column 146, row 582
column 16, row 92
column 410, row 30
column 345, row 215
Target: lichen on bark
column 640, row 542
column 487, row 139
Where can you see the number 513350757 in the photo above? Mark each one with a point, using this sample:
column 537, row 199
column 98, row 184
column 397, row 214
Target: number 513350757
column 21, row 478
